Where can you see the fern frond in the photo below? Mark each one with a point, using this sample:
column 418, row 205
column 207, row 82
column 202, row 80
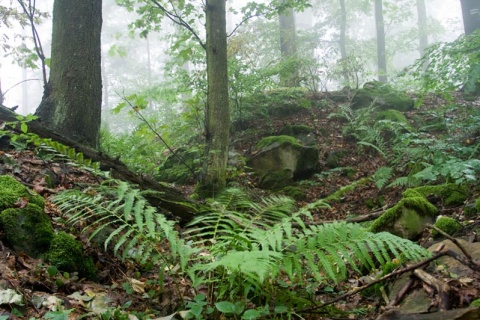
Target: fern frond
column 137, row 227
column 381, row 176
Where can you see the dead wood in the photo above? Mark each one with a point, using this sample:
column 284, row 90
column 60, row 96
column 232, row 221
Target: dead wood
column 165, row 197
column 443, row 289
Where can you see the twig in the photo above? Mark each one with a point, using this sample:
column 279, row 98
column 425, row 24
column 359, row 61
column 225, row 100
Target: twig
column 30, row 13
column 388, row 276
column 442, row 288
column 455, row 241
column 135, row 109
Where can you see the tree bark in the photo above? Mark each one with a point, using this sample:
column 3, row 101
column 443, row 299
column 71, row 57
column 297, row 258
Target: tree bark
column 72, row 99
column 471, row 15
column 217, row 118
column 381, row 50
column 288, row 48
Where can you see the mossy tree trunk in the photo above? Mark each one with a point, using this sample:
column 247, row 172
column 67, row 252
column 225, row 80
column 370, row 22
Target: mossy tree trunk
column 217, row 118
column 381, row 51
column 71, row 103
column 288, row 48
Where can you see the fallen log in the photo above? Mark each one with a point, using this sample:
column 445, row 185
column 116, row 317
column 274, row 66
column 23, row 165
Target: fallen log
column 165, row 197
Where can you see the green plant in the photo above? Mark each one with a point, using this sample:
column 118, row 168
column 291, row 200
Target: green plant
column 254, row 254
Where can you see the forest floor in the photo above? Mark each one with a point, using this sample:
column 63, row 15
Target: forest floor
column 125, row 286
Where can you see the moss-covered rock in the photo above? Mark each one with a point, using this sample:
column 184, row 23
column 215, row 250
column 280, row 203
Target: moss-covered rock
column 303, row 133
column 11, row 191
column 448, row 225
column 27, row 230
column 451, row 194
column 383, row 96
column 277, row 140
column 177, row 167
column 66, row 254
column 282, row 159
column 407, row 218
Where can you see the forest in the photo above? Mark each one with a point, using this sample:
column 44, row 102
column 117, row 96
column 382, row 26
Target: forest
column 220, row 159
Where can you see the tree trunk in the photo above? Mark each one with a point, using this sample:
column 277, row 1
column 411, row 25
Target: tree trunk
column 381, row 51
column 217, row 118
column 422, row 27
column 72, row 99
column 288, row 48
column 343, row 40
column 471, row 15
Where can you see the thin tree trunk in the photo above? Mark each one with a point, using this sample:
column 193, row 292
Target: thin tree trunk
column 288, row 48
column 422, row 27
column 217, row 120
column 72, row 99
column 343, row 40
column 381, row 51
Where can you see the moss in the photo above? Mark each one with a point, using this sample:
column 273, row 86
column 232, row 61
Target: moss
column 450, row 193
column 477, row 204
column 448, row 225
column 11, row 191
column 66, row 254
column 475, row 303
column 409, row 203
column 267, row 141
column 297, row 129
column 27, row 229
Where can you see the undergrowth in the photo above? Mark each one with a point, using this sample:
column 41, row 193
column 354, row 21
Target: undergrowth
column 254, row 259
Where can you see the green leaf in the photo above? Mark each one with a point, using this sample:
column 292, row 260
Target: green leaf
column 24, row 127
column 228, row 308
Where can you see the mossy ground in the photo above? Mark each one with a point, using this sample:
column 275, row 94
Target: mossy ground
column 11, row 191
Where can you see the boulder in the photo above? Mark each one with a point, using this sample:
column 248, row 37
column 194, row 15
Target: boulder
column 408, row 218
column 282, row 159
column 382, row 96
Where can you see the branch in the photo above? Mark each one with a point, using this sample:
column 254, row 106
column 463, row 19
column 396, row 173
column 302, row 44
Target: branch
column 137, row 112
column 388, row 276
column 30, row 13
column 177, row 19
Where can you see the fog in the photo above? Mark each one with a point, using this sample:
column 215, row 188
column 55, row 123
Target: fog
column 130, row 63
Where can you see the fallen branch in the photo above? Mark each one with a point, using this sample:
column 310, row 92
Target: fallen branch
column 388, row 276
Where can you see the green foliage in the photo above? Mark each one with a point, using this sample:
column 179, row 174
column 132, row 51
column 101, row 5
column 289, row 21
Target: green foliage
column 256, row 243
column 247, row 247
column 47, row 149
column 139, row 228
column 448, row 66
column 381, row 176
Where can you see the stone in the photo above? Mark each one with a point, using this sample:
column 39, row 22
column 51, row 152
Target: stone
column 382, row 96
column 281, row 160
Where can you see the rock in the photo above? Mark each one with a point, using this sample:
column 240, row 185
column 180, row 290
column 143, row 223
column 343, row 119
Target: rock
column 457, row 314
column 27, row 229
column 383, row 96
column 453, row 266
column 408, row 218
column 282, row 159
column 303, row 133
column 66, row 254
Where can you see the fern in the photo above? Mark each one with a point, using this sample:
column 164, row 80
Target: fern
column 138, row 227
column 243, row 248
column 381, row 176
